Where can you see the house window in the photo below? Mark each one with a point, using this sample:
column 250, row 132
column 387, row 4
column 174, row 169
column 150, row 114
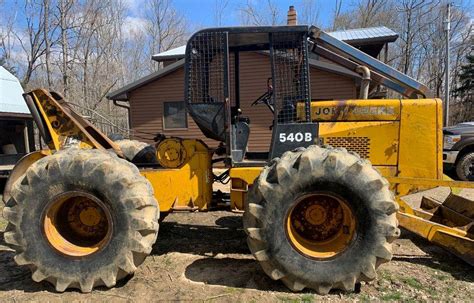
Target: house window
column 174, row 115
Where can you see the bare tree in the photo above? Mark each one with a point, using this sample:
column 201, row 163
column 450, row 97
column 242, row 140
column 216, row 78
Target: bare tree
column 261, row 13
column 308, row 12
column 47, row 41
column 7, row 40
column 365, row 13
column 33, row 46
column 64, row 23
column 220, row 7
column 166, row 27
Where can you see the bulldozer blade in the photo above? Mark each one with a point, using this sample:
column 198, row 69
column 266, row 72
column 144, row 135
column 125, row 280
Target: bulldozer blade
column 460, row 205
column 455, row 211
column 457, row 241
column 462, row 247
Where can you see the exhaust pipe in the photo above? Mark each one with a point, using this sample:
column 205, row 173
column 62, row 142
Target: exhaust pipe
column 364, row 87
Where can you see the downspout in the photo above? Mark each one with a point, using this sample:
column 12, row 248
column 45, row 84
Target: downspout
column 364, row 86
column 127, row 107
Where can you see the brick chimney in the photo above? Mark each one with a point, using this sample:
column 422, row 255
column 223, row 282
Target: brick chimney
column 292, row 18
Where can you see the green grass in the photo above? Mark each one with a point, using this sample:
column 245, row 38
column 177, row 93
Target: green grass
column 413, row 282
column 363, row 298
column 392, row 296
column 441, row 277
column 433, row 292
column 306, row 298
column 386, row 275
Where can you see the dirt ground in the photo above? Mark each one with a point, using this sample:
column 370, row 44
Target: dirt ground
column 203, row 257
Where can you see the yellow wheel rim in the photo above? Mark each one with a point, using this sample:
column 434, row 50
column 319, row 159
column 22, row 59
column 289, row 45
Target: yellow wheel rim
column 77, row 224
column 320, row 225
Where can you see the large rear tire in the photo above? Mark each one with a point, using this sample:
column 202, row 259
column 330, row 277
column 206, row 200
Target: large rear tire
column 321, row 218
column 81, row 219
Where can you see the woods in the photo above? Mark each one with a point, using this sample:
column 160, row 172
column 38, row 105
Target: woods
column 87, row 48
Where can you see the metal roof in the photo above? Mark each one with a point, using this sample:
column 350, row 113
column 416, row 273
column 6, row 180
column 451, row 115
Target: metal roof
column 355, row 36
column 11, row 100
column 174, row 53
column 368, row 35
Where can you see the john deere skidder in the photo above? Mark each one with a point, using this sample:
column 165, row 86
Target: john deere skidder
column 321, row 209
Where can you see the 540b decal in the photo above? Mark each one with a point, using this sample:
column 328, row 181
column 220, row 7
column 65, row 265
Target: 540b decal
column 292, row 135
column 296, row 137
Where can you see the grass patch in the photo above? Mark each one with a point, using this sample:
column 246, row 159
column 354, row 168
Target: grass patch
column 449, row 290
column 441, row 277
column 232, row 290
column 433, row 293
column 392, row 296
column 307, row 298
column 386, row 275
column 413, row 282
column 363, row 298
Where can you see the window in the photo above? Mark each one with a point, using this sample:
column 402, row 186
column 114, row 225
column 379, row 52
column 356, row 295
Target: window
column 174, row 115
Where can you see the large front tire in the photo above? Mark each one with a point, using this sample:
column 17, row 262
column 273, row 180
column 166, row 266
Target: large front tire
column 81, row 219
column 320, row 218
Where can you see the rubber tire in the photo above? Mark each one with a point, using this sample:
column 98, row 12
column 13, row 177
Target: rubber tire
column 117, row 183
column 130, row 148
column 464, row 161
column 316, row 168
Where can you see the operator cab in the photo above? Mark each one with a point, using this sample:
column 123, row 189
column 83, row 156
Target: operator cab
column 218, row 113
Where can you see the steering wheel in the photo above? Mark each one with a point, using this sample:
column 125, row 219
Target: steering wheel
column 266, row 97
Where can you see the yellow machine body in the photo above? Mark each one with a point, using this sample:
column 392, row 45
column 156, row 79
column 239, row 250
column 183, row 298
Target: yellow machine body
column 187, row 187
column 402, row 139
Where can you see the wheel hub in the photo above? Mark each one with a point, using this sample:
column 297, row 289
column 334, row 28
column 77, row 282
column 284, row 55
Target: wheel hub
column 77, row 224
column 320, row 225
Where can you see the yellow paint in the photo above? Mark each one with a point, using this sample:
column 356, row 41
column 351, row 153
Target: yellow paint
column 317, row 216
column 62, row 122
column 352, row 110
column 171, row 153
column 55, row 144
column 90, row 216
column 455, row 240
column 376, row 141
column 241, row 179
column 421, row 142
column 60, row 230
column 188, row 187
column 404, row 134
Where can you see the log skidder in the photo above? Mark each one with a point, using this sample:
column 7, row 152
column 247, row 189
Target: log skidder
column 81, row 219
column 321, row 218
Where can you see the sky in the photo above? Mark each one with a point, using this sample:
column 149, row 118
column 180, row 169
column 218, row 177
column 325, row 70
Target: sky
column 201, row 12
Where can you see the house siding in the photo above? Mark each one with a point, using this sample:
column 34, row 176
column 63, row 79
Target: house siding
column 146, row 103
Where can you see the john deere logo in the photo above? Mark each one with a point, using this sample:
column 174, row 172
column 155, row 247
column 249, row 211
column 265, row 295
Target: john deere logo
column 365, row 110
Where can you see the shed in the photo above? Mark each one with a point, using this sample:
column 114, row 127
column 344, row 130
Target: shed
column 16, row 123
